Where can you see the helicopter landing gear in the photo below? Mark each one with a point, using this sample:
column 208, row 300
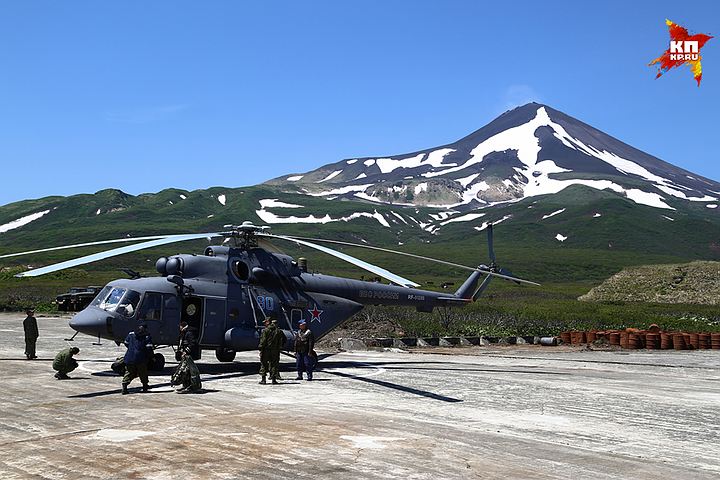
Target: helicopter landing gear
column 225, row 354
column 157, row 362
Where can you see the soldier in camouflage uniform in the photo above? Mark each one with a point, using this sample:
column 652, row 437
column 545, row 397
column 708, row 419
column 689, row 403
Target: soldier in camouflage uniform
column 272, row 340
column 31, row 334
column 64, row 362
column 187, row 373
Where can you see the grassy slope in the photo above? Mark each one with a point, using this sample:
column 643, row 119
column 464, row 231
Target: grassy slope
column 625, row 234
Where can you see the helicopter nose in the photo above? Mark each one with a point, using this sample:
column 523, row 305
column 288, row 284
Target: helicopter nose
column 89, row 322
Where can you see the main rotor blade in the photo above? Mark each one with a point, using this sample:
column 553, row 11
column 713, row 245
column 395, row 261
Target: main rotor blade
column 114, row 252
column 386, row 274
column 482, row 268
column 87, row 244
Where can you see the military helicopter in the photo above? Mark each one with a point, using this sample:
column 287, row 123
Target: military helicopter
column 227, row 292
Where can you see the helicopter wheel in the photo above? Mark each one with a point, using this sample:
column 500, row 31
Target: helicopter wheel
column 157, row 362
column 225, row 354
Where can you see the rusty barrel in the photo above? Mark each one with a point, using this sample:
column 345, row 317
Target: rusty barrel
column 565, row 337
column 624, row 339
column 614, row 338
column 679, row 341
column 576, row 338
column 688, row 345
column 704, row 340
column 635, row 340
column 652, row 341
column 694, row 340
column 715, row 341
column 666, row 341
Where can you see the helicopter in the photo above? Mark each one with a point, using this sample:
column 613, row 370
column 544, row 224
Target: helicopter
column 226, row 293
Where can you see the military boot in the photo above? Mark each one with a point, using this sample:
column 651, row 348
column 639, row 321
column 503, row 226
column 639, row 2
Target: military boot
column 145, row 387
column 124, row 389
column 274, row 381
column 262, row 381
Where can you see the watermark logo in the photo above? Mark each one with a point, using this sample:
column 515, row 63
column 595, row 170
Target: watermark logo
column 684, row 49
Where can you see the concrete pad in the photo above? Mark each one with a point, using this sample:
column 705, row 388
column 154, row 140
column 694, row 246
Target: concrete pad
column 495, row 412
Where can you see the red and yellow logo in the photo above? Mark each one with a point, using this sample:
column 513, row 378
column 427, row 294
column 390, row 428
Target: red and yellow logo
column 684, row 49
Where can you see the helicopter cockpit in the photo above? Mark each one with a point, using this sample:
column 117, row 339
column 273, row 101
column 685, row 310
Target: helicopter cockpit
column 116, row 299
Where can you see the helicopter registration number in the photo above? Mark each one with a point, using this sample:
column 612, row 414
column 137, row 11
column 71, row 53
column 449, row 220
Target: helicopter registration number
column 378, row 294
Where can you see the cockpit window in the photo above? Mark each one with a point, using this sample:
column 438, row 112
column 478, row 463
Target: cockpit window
column 101, row 296
column 112, row 300
column 128, row 305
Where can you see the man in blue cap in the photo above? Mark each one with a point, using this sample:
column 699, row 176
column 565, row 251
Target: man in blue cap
column 305, row 356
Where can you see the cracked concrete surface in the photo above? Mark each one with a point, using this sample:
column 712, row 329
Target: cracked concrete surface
column 531, row 412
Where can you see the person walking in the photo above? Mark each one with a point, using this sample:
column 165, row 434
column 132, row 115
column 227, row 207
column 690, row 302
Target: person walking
column 305, row 356
column 31, row 334
column 64, row 362
column 139, row 350
column 272, row 340
column 187, row 373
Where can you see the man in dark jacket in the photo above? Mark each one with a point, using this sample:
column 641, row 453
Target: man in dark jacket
column 305, row 357
column 272, row 340
column 139, row 350
column 64, row 362
column 31, row 333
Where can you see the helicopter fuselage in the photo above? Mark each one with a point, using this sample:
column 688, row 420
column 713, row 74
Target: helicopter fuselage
column 228, row 292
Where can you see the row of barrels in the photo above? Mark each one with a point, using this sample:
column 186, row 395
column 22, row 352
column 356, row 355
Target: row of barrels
column 634, row 339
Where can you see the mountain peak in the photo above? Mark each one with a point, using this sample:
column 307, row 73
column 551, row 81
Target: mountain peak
column 530, row 150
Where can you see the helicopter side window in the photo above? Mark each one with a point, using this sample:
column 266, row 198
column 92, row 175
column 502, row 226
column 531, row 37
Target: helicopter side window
column 128, row 305
column 112, row 300
column 101, row 296
column 151, row 307
column 240, row 270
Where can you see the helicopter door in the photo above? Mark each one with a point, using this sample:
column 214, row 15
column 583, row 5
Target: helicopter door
column 192, row 312
column 214, row 325
column 170, row 320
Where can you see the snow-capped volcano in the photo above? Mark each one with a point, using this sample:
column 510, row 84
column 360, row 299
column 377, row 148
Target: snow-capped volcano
column 529, row 151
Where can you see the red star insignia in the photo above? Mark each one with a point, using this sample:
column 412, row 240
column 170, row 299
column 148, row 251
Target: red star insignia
column 315, row 314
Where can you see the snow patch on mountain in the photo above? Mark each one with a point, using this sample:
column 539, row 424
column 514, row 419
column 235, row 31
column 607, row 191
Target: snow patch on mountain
column 597, row 215
column 433, row 159
column 561, row 238
column 668, row 218
column 362, row 175
column 22, row 221
column 269, row 217
column 350, row 162
column 463, row 218
column 342, row 190
column 294, row 178
column 97, row 212
column 485, row 224
column 712, row 205
column 221, row 198
column 400, row 217
column 273, row 202
column 553, row 213
column 420, row 187
column 331, row 176
column 183, row 196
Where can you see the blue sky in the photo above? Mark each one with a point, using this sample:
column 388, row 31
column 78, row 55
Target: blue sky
column 143, row 96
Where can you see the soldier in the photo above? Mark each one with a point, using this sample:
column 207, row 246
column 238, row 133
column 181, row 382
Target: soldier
column 64, row 362
column 187, row 374
column 271, row 342
column 31, row 334
column 188, row 339
column 139, row 349
column 305, row 356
